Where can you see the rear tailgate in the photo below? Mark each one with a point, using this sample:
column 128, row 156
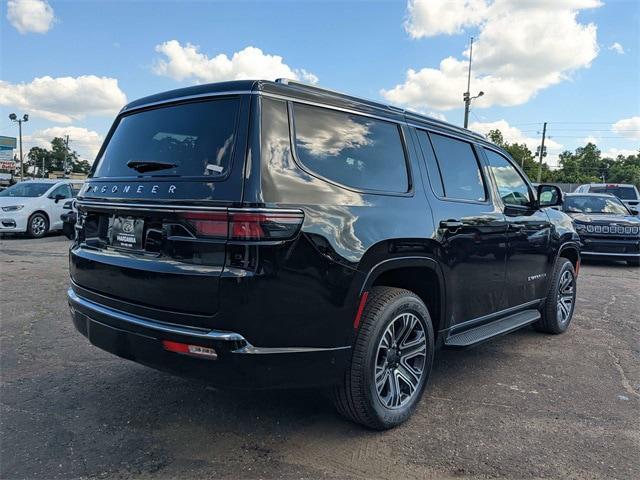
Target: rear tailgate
column 152, row 220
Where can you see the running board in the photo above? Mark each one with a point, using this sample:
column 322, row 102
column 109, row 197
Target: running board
column 484, row 332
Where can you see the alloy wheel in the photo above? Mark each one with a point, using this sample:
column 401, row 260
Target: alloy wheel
column 566, row 297
column 400, row 361
column 38, row 226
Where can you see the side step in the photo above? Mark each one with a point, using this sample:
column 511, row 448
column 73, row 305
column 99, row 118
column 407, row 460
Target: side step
column 484, row 332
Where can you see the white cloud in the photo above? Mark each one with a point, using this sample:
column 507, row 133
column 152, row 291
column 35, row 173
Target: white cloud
column 187, row 62
column 30, row 15
column 522, row 47
column 64, row 99
column 614, row 152
column 616, row 47
column 514, row 135
column 628, row 128
column 590, row 139
column 85, row 142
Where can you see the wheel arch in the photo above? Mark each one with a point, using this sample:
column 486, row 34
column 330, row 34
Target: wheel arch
column 46, row 215
column 420, row 274
column 570, row 251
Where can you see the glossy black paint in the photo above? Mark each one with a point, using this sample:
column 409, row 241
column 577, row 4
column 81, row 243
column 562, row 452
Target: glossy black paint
column 468, row 260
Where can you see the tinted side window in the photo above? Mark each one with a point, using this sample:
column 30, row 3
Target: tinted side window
column 511, row 186
column 435, row 179
column 353, row 150
column 459, row 168
column 61, row 190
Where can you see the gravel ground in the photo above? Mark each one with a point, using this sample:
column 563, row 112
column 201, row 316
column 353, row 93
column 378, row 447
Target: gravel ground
column 525, row 405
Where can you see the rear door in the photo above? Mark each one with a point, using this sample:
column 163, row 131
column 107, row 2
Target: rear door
column 528, row 232
column 153, row 216
column 470, row 229
column 56, row 207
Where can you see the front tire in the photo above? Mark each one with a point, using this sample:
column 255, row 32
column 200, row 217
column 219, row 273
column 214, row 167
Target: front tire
column 561, row 300
column 38, row 225
column 391, row 362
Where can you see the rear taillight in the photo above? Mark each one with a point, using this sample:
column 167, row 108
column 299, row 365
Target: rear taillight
column 188, row 349
column 209, row 224
column 246, row 225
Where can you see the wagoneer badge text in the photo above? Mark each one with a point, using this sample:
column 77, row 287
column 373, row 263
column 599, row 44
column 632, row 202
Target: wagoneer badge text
column 130, row 189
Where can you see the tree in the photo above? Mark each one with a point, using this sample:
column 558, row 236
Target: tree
column 54, row 159
column 522, row 156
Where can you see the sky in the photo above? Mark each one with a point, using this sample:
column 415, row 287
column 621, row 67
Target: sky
column 71, row 65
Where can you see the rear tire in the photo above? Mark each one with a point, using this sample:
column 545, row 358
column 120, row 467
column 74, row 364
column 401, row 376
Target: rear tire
column 391, row 362
column 561, row 300
column 38, row 225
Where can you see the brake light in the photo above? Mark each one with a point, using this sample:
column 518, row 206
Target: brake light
column 209, row 224
column 264, row 225
column 243, row 225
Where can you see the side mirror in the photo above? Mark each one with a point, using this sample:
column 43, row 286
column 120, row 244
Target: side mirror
column 59, row 197
column 68, row 205
column 549, row 196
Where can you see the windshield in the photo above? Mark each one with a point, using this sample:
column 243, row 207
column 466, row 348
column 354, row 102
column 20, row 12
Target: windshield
column 589, row 204
column 191, row 139
column 26, row 189
column 624, row 193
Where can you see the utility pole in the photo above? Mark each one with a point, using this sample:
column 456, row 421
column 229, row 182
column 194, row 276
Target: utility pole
column 466, row 96
column 542, row 152
column 25, row 118
column 66, row 157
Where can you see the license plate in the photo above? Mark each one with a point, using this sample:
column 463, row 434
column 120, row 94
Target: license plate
column 126, row 232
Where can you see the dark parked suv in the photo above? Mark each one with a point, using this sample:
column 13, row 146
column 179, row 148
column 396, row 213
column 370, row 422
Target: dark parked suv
column 271, row 234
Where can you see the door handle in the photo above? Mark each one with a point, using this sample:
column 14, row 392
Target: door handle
column 451, row 224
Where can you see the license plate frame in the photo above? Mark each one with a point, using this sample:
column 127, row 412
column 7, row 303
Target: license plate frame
column 126, row 232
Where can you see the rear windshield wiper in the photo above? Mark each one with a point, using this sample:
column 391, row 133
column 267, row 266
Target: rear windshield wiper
column 149, row 166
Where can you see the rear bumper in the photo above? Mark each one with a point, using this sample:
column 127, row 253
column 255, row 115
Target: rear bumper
column 239, row 363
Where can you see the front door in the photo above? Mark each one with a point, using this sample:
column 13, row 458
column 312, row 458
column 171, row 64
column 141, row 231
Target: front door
column 56, row 207
column 528, row 233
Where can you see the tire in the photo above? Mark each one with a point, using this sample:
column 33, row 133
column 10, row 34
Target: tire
column 634, row 262
column 358, row 398
column 561, row 300
column 38, row 225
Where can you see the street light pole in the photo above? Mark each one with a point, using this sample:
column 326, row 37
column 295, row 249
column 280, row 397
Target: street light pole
column 25, row 118
column 466, row 96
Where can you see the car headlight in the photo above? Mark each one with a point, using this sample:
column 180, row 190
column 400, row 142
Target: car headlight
column 12, row 208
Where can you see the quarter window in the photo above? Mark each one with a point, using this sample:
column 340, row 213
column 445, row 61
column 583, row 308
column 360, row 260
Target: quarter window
column 512, row 187
column 353, row 150
column 459, row 168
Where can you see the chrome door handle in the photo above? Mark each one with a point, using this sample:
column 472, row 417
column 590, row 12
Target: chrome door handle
column 451, row 224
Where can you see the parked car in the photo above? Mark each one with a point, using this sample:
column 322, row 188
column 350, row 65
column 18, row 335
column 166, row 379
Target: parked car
column 35, row 206
column 628, row 194
column 272, row 234
column 69, row 219
column 607, row 227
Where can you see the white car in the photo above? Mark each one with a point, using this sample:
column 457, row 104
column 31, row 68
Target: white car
column 627, row 193
column 35, row 206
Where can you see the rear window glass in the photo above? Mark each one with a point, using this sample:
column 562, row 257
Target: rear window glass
column 459, row 168
column 624, row 193
column 191, row 139
column 353, row 150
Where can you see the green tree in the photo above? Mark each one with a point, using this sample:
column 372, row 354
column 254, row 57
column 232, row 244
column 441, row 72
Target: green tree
column 54, row 159
column 522, row 156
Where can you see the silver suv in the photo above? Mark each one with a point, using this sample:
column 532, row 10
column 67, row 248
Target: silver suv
column 627, row 193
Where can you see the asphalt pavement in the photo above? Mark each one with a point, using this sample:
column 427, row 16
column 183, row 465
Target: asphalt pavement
column 526, row 405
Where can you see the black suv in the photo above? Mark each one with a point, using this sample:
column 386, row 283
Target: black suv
column 272, row 234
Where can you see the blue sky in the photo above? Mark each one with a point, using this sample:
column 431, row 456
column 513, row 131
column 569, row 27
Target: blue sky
column 553, row 62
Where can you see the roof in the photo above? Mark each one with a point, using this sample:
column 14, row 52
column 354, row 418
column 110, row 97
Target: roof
column 609, row 184
column 312, row 93
column 588, row 194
